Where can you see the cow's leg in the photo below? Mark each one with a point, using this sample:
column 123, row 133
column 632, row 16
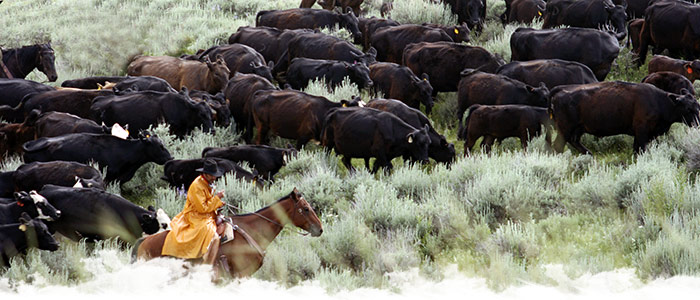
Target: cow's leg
column 641, row 139
column 262, row 134
column 367, row 163
column 469, row 143
column 348, row 164
column 487, row 142
column 302, row 141
column 576, row 142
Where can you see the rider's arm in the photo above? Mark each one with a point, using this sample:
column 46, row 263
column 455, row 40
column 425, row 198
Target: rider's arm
column 203, row 201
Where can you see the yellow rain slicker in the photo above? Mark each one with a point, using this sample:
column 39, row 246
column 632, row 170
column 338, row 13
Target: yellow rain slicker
column 194, row 227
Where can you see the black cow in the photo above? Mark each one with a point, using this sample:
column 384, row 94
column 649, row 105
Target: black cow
column 15, row 238
column 266, row 160
column 121, row 157
column 292, row 114
column 140, row 110
column 473, row 12
column 370, row 25
column 30, row 203
column 142, row 83
column 591, row 47
column 240, row 58
column 89, row 83
column 181, row 173
column 14, row 90
column 323, row 46
column 358, row 132
column 302, row 70
column 458, row 33
column 611, row 108
column 492, row 89
column 218, row 106
column 498, row 122
column 523, row 11
column 439, row 150
column 73, row 101
column 586, row 14
column 7, row 187
column 390, row 41
column 331, row 4
column 239, row 92
column 634, row 32
column 269, row 41
column 297, row 18
column 33, row 176
column 58, row 123
column 552, row 72
column 398, row 82
column 443, row 61
column 672, row 25
column 670, row 81
column 96, row 215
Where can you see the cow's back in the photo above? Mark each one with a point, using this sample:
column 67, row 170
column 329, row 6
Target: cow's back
column 165, row 67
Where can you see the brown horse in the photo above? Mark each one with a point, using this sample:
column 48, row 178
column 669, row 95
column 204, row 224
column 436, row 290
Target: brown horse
column 244, row 257
column 22, row 61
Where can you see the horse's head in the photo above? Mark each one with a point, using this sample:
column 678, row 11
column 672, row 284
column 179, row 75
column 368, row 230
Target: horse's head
column 304, row 215
column 46, row 62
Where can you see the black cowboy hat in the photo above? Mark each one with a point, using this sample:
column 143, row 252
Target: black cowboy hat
column 211, row 168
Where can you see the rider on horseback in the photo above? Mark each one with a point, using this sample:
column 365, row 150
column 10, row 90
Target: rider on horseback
column 194, row 231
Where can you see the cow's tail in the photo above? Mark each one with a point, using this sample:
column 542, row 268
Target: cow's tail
column 206, row 149
column 135, row 249
column 327, row 134
column 464, row 129
column 469, row 72
column 257, row 17
column 559, row 142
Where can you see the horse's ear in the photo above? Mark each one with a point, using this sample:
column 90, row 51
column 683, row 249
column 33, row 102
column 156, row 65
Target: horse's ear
column 296, row 194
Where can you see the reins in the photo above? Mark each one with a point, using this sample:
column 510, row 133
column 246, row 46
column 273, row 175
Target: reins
column 266, row 219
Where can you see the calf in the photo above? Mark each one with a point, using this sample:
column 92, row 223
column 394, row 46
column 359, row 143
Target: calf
column 391, row 41
column 524, row 11
column 96, row 215
column 292, row 114
column 670, row 81
column 240, row 58
column 458, row 33
column 239, row 92
column 266, row 160
column 399, row 82
column 195, row 75
column 15, row 238
column 611, row 108
column 54, row 123
column 218, row 106
column 140, row 110
column 297, row 18
column 497, row 122
column 89, row 83
column 33, row 176
column 13, row 136
column 551, row 72
column 689, row 69
column 121, row 157
column 439, row 149
column 14, row 90
column 367, row 132
column 181, row 173
column 443, row 62
column 31, row 204
column 491, row 89
column 368, row 26
column 473, row 12
column 142, row 83
column 634, row 31
column 303, row 70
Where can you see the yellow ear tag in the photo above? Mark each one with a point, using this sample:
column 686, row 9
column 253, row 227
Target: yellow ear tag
column 23, row 227
column 456, row 31
column 345, row 105
column 425, row 79
column 539, row 13
column 148, row 135
column 551, row 116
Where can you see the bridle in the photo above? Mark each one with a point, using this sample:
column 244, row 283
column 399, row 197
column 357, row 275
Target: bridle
column 296, row 208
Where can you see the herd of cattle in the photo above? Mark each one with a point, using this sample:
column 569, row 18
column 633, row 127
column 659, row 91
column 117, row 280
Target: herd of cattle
column 555, row 79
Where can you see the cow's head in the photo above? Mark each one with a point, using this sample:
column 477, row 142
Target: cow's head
column 418, row 142
column 36, row 206
column 539, row 96
column 149, row 221
column 221, row 109
column 692, row 70
column 474, row 12
column 425, row 91
column 204, row 116
column 359, row 74
column 461, row 32
column 154, row 148
column 368, row 58
column 356, row 101
column 617, row 17
column 89, row 183
column 440, row 150
column 350, row 22
column 46, row 61
column 263, row 70
column 162, row 217
column 37, row 233
column 687, row 109
column 219, row 73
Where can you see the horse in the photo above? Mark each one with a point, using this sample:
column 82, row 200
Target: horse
column 22, row 61
column 245, row 253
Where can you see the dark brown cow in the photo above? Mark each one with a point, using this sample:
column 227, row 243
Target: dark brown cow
column 524, row 11
column 586, row 14
column 670, row 81
column 458, row 33
column 292, row 114
column 55, row 123
column 443, row 61
column 297, row 18
column 219, row 107
column 68, row 100
column 195, row 75
column 370, row 25
column 269, row 41
column 239, row 58
column 33, row 176
column 13, row 136
column 611, row 108
column 266, row 160
column 94, row 82
column 672, row 25
column 14, row 90
column 634, row 31
column 551, row 72
column 689, row 69
column 239, row 92
column 498, row 122
column 181, row 173
column 303, row 70
column 492, row 89
column 473, row 12
column 391, row 41
column 399, row 82
column 331, row 4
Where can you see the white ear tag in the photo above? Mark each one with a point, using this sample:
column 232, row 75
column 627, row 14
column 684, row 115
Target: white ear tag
column 23, row 227
column 119, row 131
column 410, row 139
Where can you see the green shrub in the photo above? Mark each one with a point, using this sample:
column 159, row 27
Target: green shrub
column 422, row 11
column 347, row 244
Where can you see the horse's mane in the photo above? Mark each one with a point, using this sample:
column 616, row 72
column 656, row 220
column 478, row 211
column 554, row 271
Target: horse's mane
column 258, row 211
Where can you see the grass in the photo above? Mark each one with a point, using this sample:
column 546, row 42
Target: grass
column 502, row 216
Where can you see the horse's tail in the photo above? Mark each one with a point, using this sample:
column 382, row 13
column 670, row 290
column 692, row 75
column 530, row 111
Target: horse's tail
column 135, row 249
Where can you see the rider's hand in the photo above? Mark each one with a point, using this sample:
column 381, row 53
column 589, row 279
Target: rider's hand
column 220, row 194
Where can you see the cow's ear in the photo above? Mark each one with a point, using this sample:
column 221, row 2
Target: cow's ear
column 220, row 59
column 344, row 103
column 270, row 64
column 372, row 51
column 688, row 67
column 443, row 141
column 426, row 128
column 151, row 208
column 425, row 77
column 148, row 216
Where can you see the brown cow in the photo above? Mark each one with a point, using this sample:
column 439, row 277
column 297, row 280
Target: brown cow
column 391, row 41
column 239, row 93
column 689, row 69
column 399, row 82
column 670, row 81
column 195, row 75
column 369, row 25
column 331, row 4
column 634, row 29
column 13, row 136
column 292, row 114
column 497, row 122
